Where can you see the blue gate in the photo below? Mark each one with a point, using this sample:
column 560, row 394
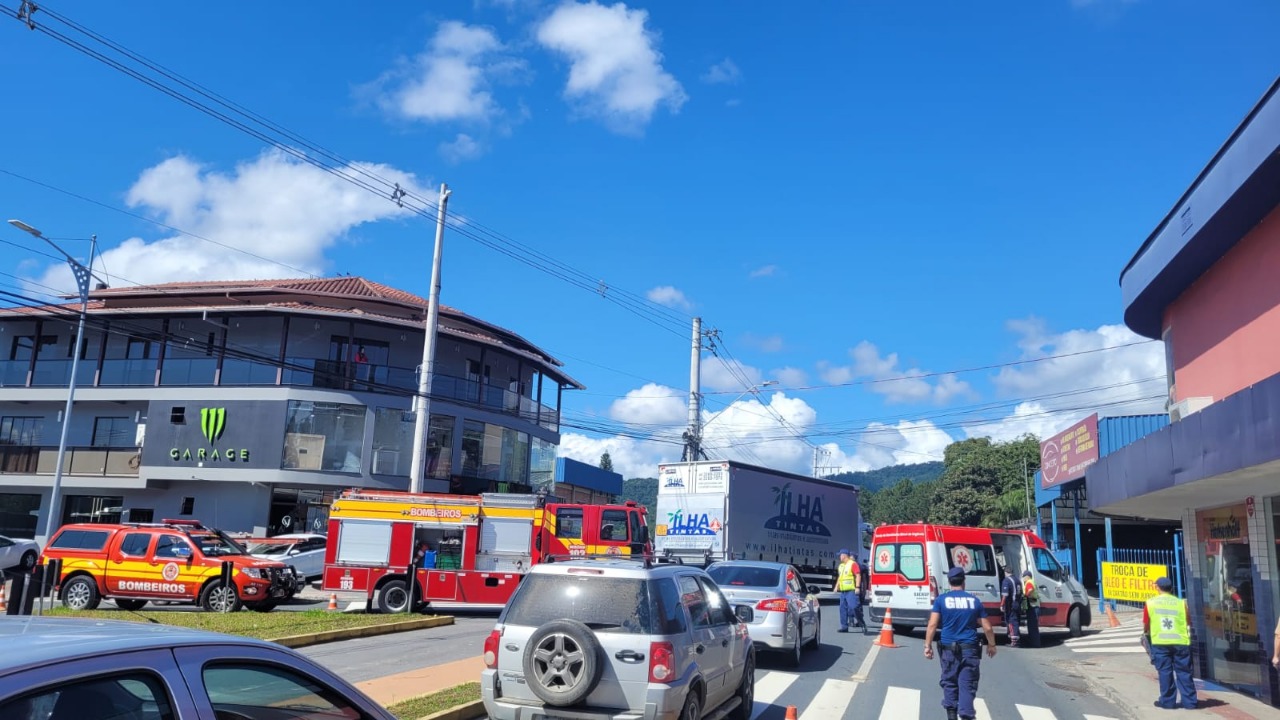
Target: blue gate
column 1170, row 559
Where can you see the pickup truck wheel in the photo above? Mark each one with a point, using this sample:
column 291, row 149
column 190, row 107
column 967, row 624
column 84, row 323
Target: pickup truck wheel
column 393, row 597
column 562, row 662
column 217, row 597
column 130, row 605
column 263, row 607
column 81, row 593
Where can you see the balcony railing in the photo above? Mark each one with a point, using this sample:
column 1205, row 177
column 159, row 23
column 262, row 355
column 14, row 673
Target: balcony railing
column 94, row 461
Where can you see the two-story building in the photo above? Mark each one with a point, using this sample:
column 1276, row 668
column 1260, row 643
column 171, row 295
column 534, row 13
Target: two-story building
column 1207, row 282
column 248, row 404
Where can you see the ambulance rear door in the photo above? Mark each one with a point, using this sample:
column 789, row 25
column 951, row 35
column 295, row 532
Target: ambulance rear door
column 899, row 579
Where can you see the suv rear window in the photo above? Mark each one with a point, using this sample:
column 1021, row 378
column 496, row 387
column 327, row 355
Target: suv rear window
column 619, row 605
column 80, row 540
column 738, row 576
column 905, row 559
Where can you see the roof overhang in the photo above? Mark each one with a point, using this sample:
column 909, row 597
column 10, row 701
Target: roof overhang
column 1234, row 192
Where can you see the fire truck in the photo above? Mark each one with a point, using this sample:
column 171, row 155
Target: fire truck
column 404, row 550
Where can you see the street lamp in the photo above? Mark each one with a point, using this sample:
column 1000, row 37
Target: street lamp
column 83, row 276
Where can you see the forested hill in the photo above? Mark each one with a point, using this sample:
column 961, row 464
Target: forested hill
column 873, row 480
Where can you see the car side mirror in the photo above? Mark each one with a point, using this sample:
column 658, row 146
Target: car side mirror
column 644, row 535
column 745, row 613
column 814, row 589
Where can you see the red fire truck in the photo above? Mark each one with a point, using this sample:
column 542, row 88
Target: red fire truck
column 463, row 550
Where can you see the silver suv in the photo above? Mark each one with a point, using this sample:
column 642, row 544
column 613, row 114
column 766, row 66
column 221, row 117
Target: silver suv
column 622, row 640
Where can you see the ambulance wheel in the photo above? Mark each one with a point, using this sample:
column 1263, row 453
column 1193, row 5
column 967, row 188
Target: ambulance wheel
column 130, row 605
column 563, row 662
column 393, row 597
column 80, row 593
column 217, row 597
column 1073, row 622
column 900, row 629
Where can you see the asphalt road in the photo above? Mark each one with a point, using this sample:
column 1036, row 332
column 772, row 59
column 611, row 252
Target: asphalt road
column 836, row 680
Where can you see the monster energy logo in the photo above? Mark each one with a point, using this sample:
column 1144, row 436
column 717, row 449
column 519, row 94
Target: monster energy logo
column 212, row 422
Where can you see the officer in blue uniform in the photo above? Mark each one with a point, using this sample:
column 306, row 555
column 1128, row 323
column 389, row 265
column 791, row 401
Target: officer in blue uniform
column 959, row 614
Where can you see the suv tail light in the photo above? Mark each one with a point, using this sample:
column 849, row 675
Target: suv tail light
column 491, row 649
column 662, row 657
column 933, row 588
column 773, row 604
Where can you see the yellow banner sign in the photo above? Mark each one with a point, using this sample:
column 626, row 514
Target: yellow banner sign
column 1131, row 581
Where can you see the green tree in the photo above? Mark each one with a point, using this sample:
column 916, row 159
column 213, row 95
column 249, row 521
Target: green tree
column 645, row 492
column 905, row 502
column 606, row 462
column 984, row 483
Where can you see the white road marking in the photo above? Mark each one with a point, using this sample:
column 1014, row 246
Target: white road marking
column 900, row 703
column 770, row 687
column 831, row 701
column 1032, row 712
column 1098, row 717
column 980, row 709
column 1110, row 650
column 1105, row 641
column 865, row 668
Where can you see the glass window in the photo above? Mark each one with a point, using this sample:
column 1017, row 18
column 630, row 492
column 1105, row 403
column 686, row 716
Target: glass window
column 172, row 546
column 613, row 526
column 93, row 509
column 18, row 513
column 619, row 605
column 327, row 437
column 21, row 430
column 975, row 559
column 392, row 441
column 694, row 601
column 135, row 544
column 911, row 561
column 1047, row 564
column 136, row 695
column 569, row 523
column 440, row 447
column 1228, row 603
column 80, row 540
column 472, row 448
column 23, row 345
column 542, row 464
column 113, row 432
column 671, row 617
column 717, row 607
column 243, row 690
column 745, row 576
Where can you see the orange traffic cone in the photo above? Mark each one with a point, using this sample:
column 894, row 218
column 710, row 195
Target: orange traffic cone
column 333, row 601
column 791, row 712
column 886, row 631
column 3, row 604
column 1112, row 620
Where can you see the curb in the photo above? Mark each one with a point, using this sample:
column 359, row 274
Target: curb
column 297, row 641
column 465, row 711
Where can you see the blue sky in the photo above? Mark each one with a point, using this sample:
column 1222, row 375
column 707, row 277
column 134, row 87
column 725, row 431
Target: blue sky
column 849, row 193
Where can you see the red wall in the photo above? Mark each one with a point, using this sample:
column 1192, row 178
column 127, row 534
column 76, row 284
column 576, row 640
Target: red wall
column 1226, row 327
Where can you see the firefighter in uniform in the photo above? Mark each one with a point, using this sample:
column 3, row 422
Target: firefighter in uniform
column 847, row 586
column 959, row 614
column 1031, row 608
column 1165, row 620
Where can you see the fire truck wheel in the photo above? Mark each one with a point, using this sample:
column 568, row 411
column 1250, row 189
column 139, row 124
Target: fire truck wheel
column 81, row 593
column 563, row 658
column 130, row 605
column 217, row 597
column 393, row 597
column 264, row 606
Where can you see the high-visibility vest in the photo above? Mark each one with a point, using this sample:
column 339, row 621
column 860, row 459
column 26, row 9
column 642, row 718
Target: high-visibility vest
column 848, row 577
column 1168, row 617
column 1029, row 593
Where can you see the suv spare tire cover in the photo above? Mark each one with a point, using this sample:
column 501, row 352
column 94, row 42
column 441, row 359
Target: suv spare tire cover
column 563, row 662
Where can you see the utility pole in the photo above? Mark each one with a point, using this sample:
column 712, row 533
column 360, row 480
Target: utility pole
column 1026, row 482
column 693, row 436
column 422, row 401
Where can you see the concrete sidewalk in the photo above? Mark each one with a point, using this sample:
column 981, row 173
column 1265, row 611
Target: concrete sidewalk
column 1131, row 681
column 392, row 689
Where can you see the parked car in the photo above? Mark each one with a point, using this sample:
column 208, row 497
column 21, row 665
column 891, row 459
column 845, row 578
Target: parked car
column 303, row 551
column 16, row 553
column 788, row 617
column 76, row 669
column 619, row 639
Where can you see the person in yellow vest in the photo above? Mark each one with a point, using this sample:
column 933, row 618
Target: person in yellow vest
column 847, row 586
column 1164, row 619
column 1031, row 609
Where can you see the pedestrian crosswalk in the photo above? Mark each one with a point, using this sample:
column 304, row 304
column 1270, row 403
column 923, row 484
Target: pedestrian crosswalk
column 775, row 690
column 1123, row 639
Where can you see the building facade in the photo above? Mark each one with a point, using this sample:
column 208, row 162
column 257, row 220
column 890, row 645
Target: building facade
column 1205, row 283
column 247, row 405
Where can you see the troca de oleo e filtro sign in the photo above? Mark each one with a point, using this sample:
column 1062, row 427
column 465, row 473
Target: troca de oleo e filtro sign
column 213, row 421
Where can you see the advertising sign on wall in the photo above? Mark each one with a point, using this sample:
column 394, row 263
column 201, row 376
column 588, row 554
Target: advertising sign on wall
column 1132, row 582
column 229, row 433
column 1067, row 455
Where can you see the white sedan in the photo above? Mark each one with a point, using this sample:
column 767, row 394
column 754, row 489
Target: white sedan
column 18, row 553
column 304, row 551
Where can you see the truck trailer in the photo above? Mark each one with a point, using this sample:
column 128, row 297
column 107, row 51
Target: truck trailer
column 725, row 510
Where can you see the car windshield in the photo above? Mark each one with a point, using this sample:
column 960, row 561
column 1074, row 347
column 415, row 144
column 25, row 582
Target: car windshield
column 270, row 548
column 745, row 576
column 603, row 604
column 218, row 545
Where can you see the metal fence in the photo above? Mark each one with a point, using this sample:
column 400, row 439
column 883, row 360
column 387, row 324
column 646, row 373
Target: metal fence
column 1170, row 558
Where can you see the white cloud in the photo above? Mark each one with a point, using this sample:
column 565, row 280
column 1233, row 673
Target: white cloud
column 896, row 384
column 652, row 404
column 273, row 206
column 790, row 377
column 451, row 80
column 669, row 296
column 725, row 72
column 463, row 147
column 630, row 457
column 723, row 375
column 764, row 271
column 615, row 71
column 906, row 442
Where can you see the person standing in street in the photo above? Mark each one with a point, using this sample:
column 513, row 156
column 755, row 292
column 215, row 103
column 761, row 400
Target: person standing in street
column 959, row 615
column 864, row 583
column 1164, row 618
column 1031, row 608
column 847, row 586
column 1010, row 605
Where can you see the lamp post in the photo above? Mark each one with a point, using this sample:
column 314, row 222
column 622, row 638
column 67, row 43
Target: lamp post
column 83, row 277
column 751, row 390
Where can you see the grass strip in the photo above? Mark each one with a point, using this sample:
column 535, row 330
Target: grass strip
column 425, row 705
column 264, row 626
